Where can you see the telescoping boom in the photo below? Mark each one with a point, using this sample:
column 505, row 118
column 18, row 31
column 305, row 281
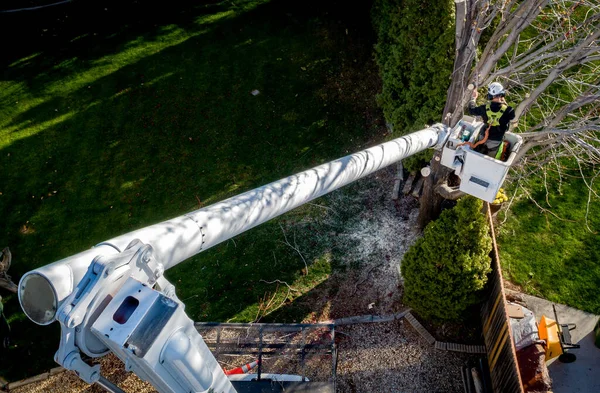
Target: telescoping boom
column 114, row 297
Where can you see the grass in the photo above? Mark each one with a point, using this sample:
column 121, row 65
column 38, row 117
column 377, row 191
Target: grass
column 141, row 113
column 555, row 255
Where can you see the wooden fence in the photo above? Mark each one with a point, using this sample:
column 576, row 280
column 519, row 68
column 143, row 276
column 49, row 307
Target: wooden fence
column 501, row 353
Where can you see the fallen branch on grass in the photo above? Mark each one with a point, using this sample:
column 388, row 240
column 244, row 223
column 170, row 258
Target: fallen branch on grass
column 265, row 309
column 295, row 248
column 280, row 282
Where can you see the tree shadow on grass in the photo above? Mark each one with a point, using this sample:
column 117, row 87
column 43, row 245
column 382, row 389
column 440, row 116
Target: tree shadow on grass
column 72, row 38
column 126, row 139
column 65, row 71
column 92, row 29
column 93, row 162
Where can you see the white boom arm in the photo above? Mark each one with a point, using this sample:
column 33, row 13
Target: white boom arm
column 114, row 297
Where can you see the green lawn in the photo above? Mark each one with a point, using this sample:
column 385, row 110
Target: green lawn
column 139, row 114
column 555, row 257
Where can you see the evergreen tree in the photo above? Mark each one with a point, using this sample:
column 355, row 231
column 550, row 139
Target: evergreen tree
column 415, row 55
column 446, row 268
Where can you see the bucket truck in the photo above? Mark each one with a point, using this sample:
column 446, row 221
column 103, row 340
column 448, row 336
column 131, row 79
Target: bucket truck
column 115, row 298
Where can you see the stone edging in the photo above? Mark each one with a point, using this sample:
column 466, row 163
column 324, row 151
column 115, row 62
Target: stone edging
column 444, row 346
column 370, row 318
column 420, row 329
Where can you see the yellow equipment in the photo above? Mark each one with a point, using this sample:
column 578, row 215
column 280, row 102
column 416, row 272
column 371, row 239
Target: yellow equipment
column 557, row 337
column 548, row 330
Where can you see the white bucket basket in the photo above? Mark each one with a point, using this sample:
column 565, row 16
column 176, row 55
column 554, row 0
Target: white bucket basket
column 481, row 175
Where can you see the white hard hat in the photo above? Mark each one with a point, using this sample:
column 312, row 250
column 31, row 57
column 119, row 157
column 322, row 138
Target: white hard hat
column 495, row 89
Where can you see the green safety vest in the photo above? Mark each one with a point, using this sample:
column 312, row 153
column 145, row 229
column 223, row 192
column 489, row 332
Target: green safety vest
column 494, row 117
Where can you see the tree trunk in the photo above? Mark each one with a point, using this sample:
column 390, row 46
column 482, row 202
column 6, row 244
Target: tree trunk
column 447, row 192
column 466, row 40
column 431, row 201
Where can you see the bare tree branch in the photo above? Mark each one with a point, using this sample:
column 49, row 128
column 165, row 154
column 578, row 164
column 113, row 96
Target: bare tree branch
column 295, row 248
column 589, row 200
column 574, row 59
column 511, row 27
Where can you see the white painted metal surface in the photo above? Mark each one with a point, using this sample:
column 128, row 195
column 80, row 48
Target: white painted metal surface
column 466, row 130
column 102, row 281
column 481, row 175
column 44, row 289
column 156, row 340
column 183, row 237
column 267, row 376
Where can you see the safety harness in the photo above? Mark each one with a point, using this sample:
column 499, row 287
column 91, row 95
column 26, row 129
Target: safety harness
column 494, row 117
column 493, row 121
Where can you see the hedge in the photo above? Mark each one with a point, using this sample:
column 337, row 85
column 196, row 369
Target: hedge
column 445, row 270
column 415, row 55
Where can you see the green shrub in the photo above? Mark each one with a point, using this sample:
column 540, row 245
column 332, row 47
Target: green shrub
column 415, row 55
column 446, row 268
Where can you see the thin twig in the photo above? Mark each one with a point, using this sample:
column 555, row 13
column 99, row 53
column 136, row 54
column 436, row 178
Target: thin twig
column 280, row 282
column 587, row 206
column 544, row 210
column 546, row 186
column 294, row 247
column 322, row 206
column 365, row 278
column 511, row 202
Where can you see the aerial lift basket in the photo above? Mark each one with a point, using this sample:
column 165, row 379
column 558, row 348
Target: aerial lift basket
column 481, row 175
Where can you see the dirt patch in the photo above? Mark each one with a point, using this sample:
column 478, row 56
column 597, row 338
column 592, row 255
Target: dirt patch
column 467, row 331
column 382, row 356
column 367, row 234
column 512, row 286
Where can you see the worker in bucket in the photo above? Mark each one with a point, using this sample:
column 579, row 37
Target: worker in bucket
column 496, row 114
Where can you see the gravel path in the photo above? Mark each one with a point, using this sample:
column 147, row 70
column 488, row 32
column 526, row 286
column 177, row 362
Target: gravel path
column 392, row 357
